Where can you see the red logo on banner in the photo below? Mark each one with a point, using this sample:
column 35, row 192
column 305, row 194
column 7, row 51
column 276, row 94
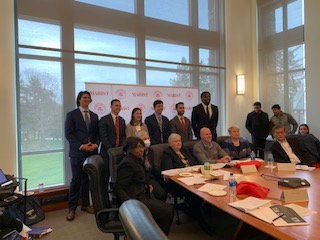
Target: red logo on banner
column 99, row 93
column 99, row 108
column 174, row 95
column 120, row 93
column 141, row 106
column 157, row 94
column 173, row 108
column 189, row 95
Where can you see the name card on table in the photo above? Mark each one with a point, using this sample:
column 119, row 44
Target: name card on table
column 298, row 195
column 248, row 169
column 286, row 167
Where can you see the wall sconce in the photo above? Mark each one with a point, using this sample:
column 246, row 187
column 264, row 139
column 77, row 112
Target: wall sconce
column 240, row 84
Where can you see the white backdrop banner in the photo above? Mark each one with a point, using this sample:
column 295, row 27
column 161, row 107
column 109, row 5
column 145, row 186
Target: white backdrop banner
column 132, row 96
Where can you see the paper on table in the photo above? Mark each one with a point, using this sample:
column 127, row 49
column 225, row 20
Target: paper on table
column 217, row 165
column 302, row 211
column 304, row 167
column 211, row 187
column 249, row 203
column 245, row 160
column 192, row 180
column 24, row 231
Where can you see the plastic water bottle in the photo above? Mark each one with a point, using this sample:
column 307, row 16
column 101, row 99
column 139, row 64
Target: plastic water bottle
column 41, row 187
column 232, row 186
column 206, row 169
column 252, row 156
column 270, row 160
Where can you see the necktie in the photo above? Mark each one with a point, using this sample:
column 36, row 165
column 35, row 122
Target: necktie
column 183, row 124
column 208, row 113
column 86, row 118
column 117, row 132
column 160, row 126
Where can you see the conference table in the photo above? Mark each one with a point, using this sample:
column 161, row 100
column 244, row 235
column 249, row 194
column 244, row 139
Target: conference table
column 311, row 231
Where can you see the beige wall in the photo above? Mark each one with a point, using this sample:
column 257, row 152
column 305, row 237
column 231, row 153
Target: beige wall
column 8, row 142
column 241, row 59
column 312, row 48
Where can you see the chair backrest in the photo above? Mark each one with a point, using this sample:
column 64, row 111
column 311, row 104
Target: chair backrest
column 221, row 139
column 106, row 217
column 189, row 146
column 115, row 157
column 154, row 156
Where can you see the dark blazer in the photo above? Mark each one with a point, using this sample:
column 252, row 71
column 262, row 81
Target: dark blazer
column 231, row 150
column 258, row 124
column 299, row 150
column 154, row 129
column 176, row 127
column 170, row 159
column 199, row 120
column 76, row 133
column 107, row 132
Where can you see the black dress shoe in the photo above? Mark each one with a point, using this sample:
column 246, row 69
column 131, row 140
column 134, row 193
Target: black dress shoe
column 206, row 228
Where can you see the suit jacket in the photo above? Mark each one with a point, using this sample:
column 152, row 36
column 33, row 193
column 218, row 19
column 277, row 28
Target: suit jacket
column 107, row 132
column 297, row 147
column 154, row 129
column 231, row 150
column 76, row 133
column 176, row 127
column 199, row 119
column 170, row 159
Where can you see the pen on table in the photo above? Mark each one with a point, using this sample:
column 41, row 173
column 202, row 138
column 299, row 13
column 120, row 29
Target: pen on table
column 278, row 217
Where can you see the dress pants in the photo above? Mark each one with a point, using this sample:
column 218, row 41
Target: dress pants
column 259, row 143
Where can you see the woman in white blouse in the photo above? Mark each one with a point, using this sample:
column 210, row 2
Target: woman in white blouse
column 136, row 125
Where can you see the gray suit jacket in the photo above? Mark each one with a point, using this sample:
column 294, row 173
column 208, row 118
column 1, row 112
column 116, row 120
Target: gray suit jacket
column 176, row 127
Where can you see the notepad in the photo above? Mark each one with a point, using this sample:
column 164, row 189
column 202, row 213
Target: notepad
column 37, row 232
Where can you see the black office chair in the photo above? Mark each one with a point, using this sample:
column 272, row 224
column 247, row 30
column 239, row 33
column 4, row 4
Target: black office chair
column 115, row 157
column 142, row 227
column 106, row 216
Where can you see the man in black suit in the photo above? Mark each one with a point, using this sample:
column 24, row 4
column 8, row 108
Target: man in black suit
column 181, row 124
column 205, row 115
column 158, row 125
column 258, row 125
column 82, row 133
column 112, row 132
column 289, row 150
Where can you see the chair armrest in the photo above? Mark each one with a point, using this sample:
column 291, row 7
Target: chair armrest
column 108, row 219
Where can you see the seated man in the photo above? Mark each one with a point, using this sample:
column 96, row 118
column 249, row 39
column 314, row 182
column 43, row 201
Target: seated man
column 289, row 150
column 207, row 149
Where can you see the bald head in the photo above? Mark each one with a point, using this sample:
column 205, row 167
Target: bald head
column 205, row 135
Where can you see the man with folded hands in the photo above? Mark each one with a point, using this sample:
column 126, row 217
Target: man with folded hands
column 289, row 150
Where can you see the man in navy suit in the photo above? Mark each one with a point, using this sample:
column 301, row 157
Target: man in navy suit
column 112, row 132
column 82, row 133
column 158, row 125
column 181, row 124
column 205, row 115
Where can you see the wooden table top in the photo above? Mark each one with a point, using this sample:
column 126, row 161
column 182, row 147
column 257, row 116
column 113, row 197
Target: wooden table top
column 311, row 231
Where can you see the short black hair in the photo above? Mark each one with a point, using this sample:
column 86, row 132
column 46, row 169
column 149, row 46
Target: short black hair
column 114, row 100
column 257, row 104
column 80, row 94
column 156, row 102
column 277, row 106
column 179, row 104
column 203, row 93
column 131, row 143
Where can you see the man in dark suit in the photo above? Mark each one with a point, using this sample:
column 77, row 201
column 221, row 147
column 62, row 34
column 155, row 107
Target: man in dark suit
column 112, row 132
column 205, row 115
column 82, row 133
column 181, row 124
column 258, row 125
column 158, row 125
column 289, row 150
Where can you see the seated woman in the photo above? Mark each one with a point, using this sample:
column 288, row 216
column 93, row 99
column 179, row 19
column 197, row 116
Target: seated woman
column 132, row 183
column 136, row 125
column 158, row 190
column 236, row 146
column 175, row 156
column 309, row 140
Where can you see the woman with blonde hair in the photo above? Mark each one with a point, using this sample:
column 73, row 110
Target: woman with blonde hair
column 236, row 146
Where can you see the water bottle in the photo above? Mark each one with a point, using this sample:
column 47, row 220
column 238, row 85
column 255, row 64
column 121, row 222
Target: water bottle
column 232, row 186
column 270, row 160
column 252, row 156
column 41, row 187
column 206, row 169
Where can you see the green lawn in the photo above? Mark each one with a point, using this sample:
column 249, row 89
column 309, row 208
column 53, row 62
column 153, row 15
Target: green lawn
column 48, row 168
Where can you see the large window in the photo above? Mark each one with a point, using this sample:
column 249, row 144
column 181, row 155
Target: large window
column 65, row 43
column 282, row 56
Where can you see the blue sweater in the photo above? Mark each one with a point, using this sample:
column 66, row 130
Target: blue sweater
column 234, row 152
